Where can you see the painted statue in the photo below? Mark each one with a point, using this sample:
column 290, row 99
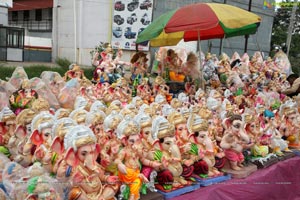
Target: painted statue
column 234, row 140
column 89, row 180
column 130, row 157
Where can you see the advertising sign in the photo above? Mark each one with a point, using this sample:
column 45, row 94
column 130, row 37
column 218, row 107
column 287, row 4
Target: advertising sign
column 130, row 17
column 6, row 3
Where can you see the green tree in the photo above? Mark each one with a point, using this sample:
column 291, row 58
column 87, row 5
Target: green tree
column 280, row 32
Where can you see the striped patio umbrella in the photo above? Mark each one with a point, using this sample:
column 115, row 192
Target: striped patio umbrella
column 199, row 21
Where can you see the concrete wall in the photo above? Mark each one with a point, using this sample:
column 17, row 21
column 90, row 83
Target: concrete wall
column 4, row 16
column 259, row 41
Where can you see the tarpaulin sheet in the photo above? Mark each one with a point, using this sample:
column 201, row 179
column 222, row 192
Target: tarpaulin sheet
column 279, row 181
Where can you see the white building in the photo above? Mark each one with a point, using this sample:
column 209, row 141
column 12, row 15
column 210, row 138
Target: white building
column 11, row 38
column 72, row 28
column 36, row 18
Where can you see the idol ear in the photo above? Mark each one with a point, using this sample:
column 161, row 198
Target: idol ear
column 97, row 149
column 57, row 146
column 33, row 92
column 83, row 91
column 21, row 93
column 2, row 128
column 187, row 86
column 39, row 153
column 124, row 141
column 190, row 136
column 1, row 140
column 70, row 157
column 140, row 87
column 103, row 55
column 36, row 138
column 111, row 90
column 70, row 74
column 156, row 142
column 99, row 85
column 31, row 197
column 226, row 123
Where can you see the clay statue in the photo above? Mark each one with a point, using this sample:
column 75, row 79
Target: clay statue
column 182, row 140
column 203, row 149
column 129, row 157
column 276, row 143
column 168, row 153
column 42, row 137
column 234, row 140
column 59, row 130
column 74, row 72
column 7, row 125
column 21, row 146
column 112, row 145
column 89, row 180
column 94, row 120
column 290, row 128
column 252, row 128
column 22, row 98
column 43, row 187
column 139, row 66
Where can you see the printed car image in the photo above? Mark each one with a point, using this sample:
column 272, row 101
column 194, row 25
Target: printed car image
column 119, row 6
column 133, row 5
column 131, row 19
column 145, row 19
column 129, row 34
column 118, row 19
column 145, row 5
column 117, row 32
column 143, row 43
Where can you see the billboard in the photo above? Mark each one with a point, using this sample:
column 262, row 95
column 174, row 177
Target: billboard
column 6, row 3
column 130, row 17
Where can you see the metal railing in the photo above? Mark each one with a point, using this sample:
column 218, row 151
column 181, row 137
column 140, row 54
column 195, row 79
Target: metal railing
column 44, row 25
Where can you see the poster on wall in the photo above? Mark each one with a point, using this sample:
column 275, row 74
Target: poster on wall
column 6, row 3
column 130, row 17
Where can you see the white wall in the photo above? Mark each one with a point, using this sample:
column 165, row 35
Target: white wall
column 4, row 16
column 63, row 29
column 38, row 41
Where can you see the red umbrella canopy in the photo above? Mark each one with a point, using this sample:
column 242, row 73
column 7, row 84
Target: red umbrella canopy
column 200, row 17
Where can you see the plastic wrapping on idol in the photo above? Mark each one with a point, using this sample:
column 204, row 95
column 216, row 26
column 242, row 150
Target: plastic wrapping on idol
column 44, row 91
column 17, row 77
column 68, row 94
column 53, row 80
column 282, row 62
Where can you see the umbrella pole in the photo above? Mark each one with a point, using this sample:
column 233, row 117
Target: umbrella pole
column 221, row 46
column 202, row 84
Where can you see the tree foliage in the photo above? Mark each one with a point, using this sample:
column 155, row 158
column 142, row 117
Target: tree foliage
column 280, row 32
